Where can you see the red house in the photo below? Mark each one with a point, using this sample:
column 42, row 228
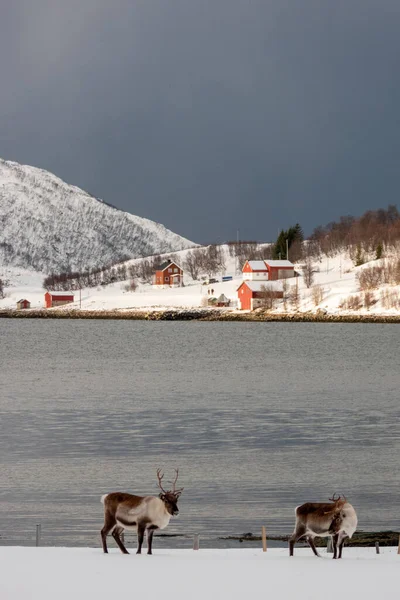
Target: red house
column 255, row 270
column 279, row 269
column 250, row 294
column 169, row 274
column 57, row 298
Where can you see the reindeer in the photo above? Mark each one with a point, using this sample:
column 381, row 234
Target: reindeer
column 143, row 513
column 336, row 519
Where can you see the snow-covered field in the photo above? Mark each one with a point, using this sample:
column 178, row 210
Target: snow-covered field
column 335, row 276
column 75, row 574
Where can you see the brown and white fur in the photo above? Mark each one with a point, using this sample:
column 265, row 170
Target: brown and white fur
column 140, row 513
column 336, row 519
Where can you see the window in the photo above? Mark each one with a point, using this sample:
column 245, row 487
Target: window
column 170, row 270
column 175, row 270
column 167, row 279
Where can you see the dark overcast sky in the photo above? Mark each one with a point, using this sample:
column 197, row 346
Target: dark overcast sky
column 208, row 115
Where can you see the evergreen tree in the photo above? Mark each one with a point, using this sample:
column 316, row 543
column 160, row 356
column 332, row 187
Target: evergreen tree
column 379, row 251
column 293, row 235
column 359, row 258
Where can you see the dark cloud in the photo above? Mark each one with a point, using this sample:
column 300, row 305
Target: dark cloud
column 208, row 115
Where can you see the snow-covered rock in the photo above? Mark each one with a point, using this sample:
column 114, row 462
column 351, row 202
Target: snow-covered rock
column 48, row 225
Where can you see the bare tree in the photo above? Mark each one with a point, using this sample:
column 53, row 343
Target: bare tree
column 285, row 289
column 192, row 265
column 294, row 295
column 308, row 269
column 1, row 288
column 131, row 286
column 146, row 271
column 317, row 294
column 268, row 297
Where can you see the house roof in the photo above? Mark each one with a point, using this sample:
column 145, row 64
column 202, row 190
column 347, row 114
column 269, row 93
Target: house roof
column 61, row 294
column 167, row 264
column 257, row 265
column 259, row 286
column 279, row 263
column 22, row 300
column 222, row 298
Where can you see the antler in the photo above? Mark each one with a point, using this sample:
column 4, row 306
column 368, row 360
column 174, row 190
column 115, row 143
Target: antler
column 341, row 498
column 174, row 490
column 160, row 476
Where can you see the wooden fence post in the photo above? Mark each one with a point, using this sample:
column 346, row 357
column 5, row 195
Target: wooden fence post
column 38, row 531
column 196, row 542
column 329, row 545
column 264, row 538
column 398, row 549
column 377, row 547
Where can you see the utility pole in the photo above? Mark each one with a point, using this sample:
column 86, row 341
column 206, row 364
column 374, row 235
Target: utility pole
column 237, row 250
column 287, row 249
column 80, row 297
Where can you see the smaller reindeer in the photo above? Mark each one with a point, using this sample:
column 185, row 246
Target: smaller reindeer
column 336, row 519
column 140, row 513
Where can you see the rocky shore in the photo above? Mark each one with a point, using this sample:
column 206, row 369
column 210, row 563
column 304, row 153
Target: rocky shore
column 360, row 538
column 200, row 314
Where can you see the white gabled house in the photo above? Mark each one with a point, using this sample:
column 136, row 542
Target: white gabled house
column 255, row 270
column 267, row 270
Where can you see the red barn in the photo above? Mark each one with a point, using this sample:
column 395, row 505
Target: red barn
column 57, row 298
column 279, row 269
column 169, row 274
column 251, row 293
column 21, row 304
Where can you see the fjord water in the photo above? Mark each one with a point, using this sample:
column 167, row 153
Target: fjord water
column 258, row 417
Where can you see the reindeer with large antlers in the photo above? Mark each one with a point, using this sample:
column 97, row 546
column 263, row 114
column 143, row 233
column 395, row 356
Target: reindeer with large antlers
column 336, row 519
column 140, row 513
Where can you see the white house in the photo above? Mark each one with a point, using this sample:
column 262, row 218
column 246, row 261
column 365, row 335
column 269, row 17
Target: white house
column 255, row 270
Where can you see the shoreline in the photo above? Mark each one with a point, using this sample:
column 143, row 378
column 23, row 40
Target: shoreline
column 200, row 314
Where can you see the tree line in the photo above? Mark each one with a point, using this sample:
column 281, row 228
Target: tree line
column 375, row 231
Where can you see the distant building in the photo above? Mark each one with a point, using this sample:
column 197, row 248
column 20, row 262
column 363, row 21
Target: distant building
column 267, row 270
column 255, row 270
column 251, row 293
column 279, row 269
column 21, row 304
column 52, row 299
column 222, row 300
column 168, row 274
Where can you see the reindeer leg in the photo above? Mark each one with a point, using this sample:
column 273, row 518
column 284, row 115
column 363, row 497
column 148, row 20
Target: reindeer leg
column 335, row 538
column 341, row 544
column 109, row 523
column 140, row 531
column 116, row 533
column 310, row 541
column 150, row 532
column 299, row 532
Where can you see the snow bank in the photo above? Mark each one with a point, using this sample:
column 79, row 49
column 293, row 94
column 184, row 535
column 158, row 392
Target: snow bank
column 74, row 574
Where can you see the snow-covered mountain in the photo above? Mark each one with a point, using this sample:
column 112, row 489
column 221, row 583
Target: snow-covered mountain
column 48, row 225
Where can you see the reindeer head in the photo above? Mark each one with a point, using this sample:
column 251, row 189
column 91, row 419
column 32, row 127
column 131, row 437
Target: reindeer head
column 339, row 501
column 170, row 497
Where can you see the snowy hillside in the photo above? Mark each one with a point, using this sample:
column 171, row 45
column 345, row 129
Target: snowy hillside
column 335, row 282
column 48, row 225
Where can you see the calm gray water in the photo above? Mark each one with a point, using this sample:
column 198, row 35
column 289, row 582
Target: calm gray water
column 258, row 417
